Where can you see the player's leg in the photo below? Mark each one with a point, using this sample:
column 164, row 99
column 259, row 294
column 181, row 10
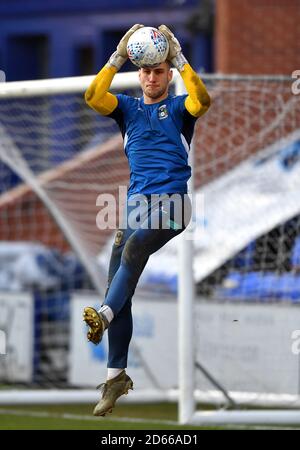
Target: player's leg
column 98, row 321
column 119, row 336
column 140, row 245
column 117, row 382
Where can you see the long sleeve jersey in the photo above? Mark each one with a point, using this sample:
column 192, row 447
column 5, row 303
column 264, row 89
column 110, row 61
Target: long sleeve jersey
column 156, row 136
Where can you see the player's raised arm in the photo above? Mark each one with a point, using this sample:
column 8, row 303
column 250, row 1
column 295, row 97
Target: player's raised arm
column 198, row 99
column 97, row 95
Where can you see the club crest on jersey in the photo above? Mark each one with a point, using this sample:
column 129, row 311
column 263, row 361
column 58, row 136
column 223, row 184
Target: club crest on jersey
column 162, row 112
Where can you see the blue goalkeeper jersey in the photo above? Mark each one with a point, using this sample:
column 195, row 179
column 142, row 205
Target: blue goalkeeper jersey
column 157, row 138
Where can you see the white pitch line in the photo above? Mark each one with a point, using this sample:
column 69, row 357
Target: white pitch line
column 44, row 414
column 68, row 416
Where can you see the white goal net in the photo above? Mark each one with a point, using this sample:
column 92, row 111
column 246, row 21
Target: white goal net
column 242, row 330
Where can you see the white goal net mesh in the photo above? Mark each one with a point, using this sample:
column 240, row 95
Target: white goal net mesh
column 247, row 167
column 57, row 156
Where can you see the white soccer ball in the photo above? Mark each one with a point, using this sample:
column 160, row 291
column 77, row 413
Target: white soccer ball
column 147, row 47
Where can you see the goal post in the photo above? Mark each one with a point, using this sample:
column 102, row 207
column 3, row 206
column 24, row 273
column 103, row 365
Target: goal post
column 264, row 142
column 185, row 318
column 237, row 272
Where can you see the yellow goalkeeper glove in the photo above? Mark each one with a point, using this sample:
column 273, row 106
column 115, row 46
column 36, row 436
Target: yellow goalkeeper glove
column 119, row 57
column 175, row 52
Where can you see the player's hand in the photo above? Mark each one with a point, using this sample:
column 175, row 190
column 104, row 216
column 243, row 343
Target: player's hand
column 119, row 57
column 122, row 46
column 175, row 54
column 174, row 46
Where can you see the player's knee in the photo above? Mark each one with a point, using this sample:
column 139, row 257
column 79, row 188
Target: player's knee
column 118, row 245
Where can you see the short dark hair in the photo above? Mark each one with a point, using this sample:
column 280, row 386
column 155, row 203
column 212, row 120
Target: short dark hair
column 156, row 65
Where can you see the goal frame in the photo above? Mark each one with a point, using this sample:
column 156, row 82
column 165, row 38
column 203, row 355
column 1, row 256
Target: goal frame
column 186, row 395
column 186, row 349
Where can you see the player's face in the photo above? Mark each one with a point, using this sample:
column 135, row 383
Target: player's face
column 155, row 82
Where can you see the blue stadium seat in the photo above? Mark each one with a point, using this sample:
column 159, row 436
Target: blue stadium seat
column 295, row 257
column 258, row 287
column 245, row 257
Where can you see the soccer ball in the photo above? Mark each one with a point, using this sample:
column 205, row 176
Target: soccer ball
column 147, row 47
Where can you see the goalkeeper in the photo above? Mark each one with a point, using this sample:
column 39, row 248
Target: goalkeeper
column 157, row 130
